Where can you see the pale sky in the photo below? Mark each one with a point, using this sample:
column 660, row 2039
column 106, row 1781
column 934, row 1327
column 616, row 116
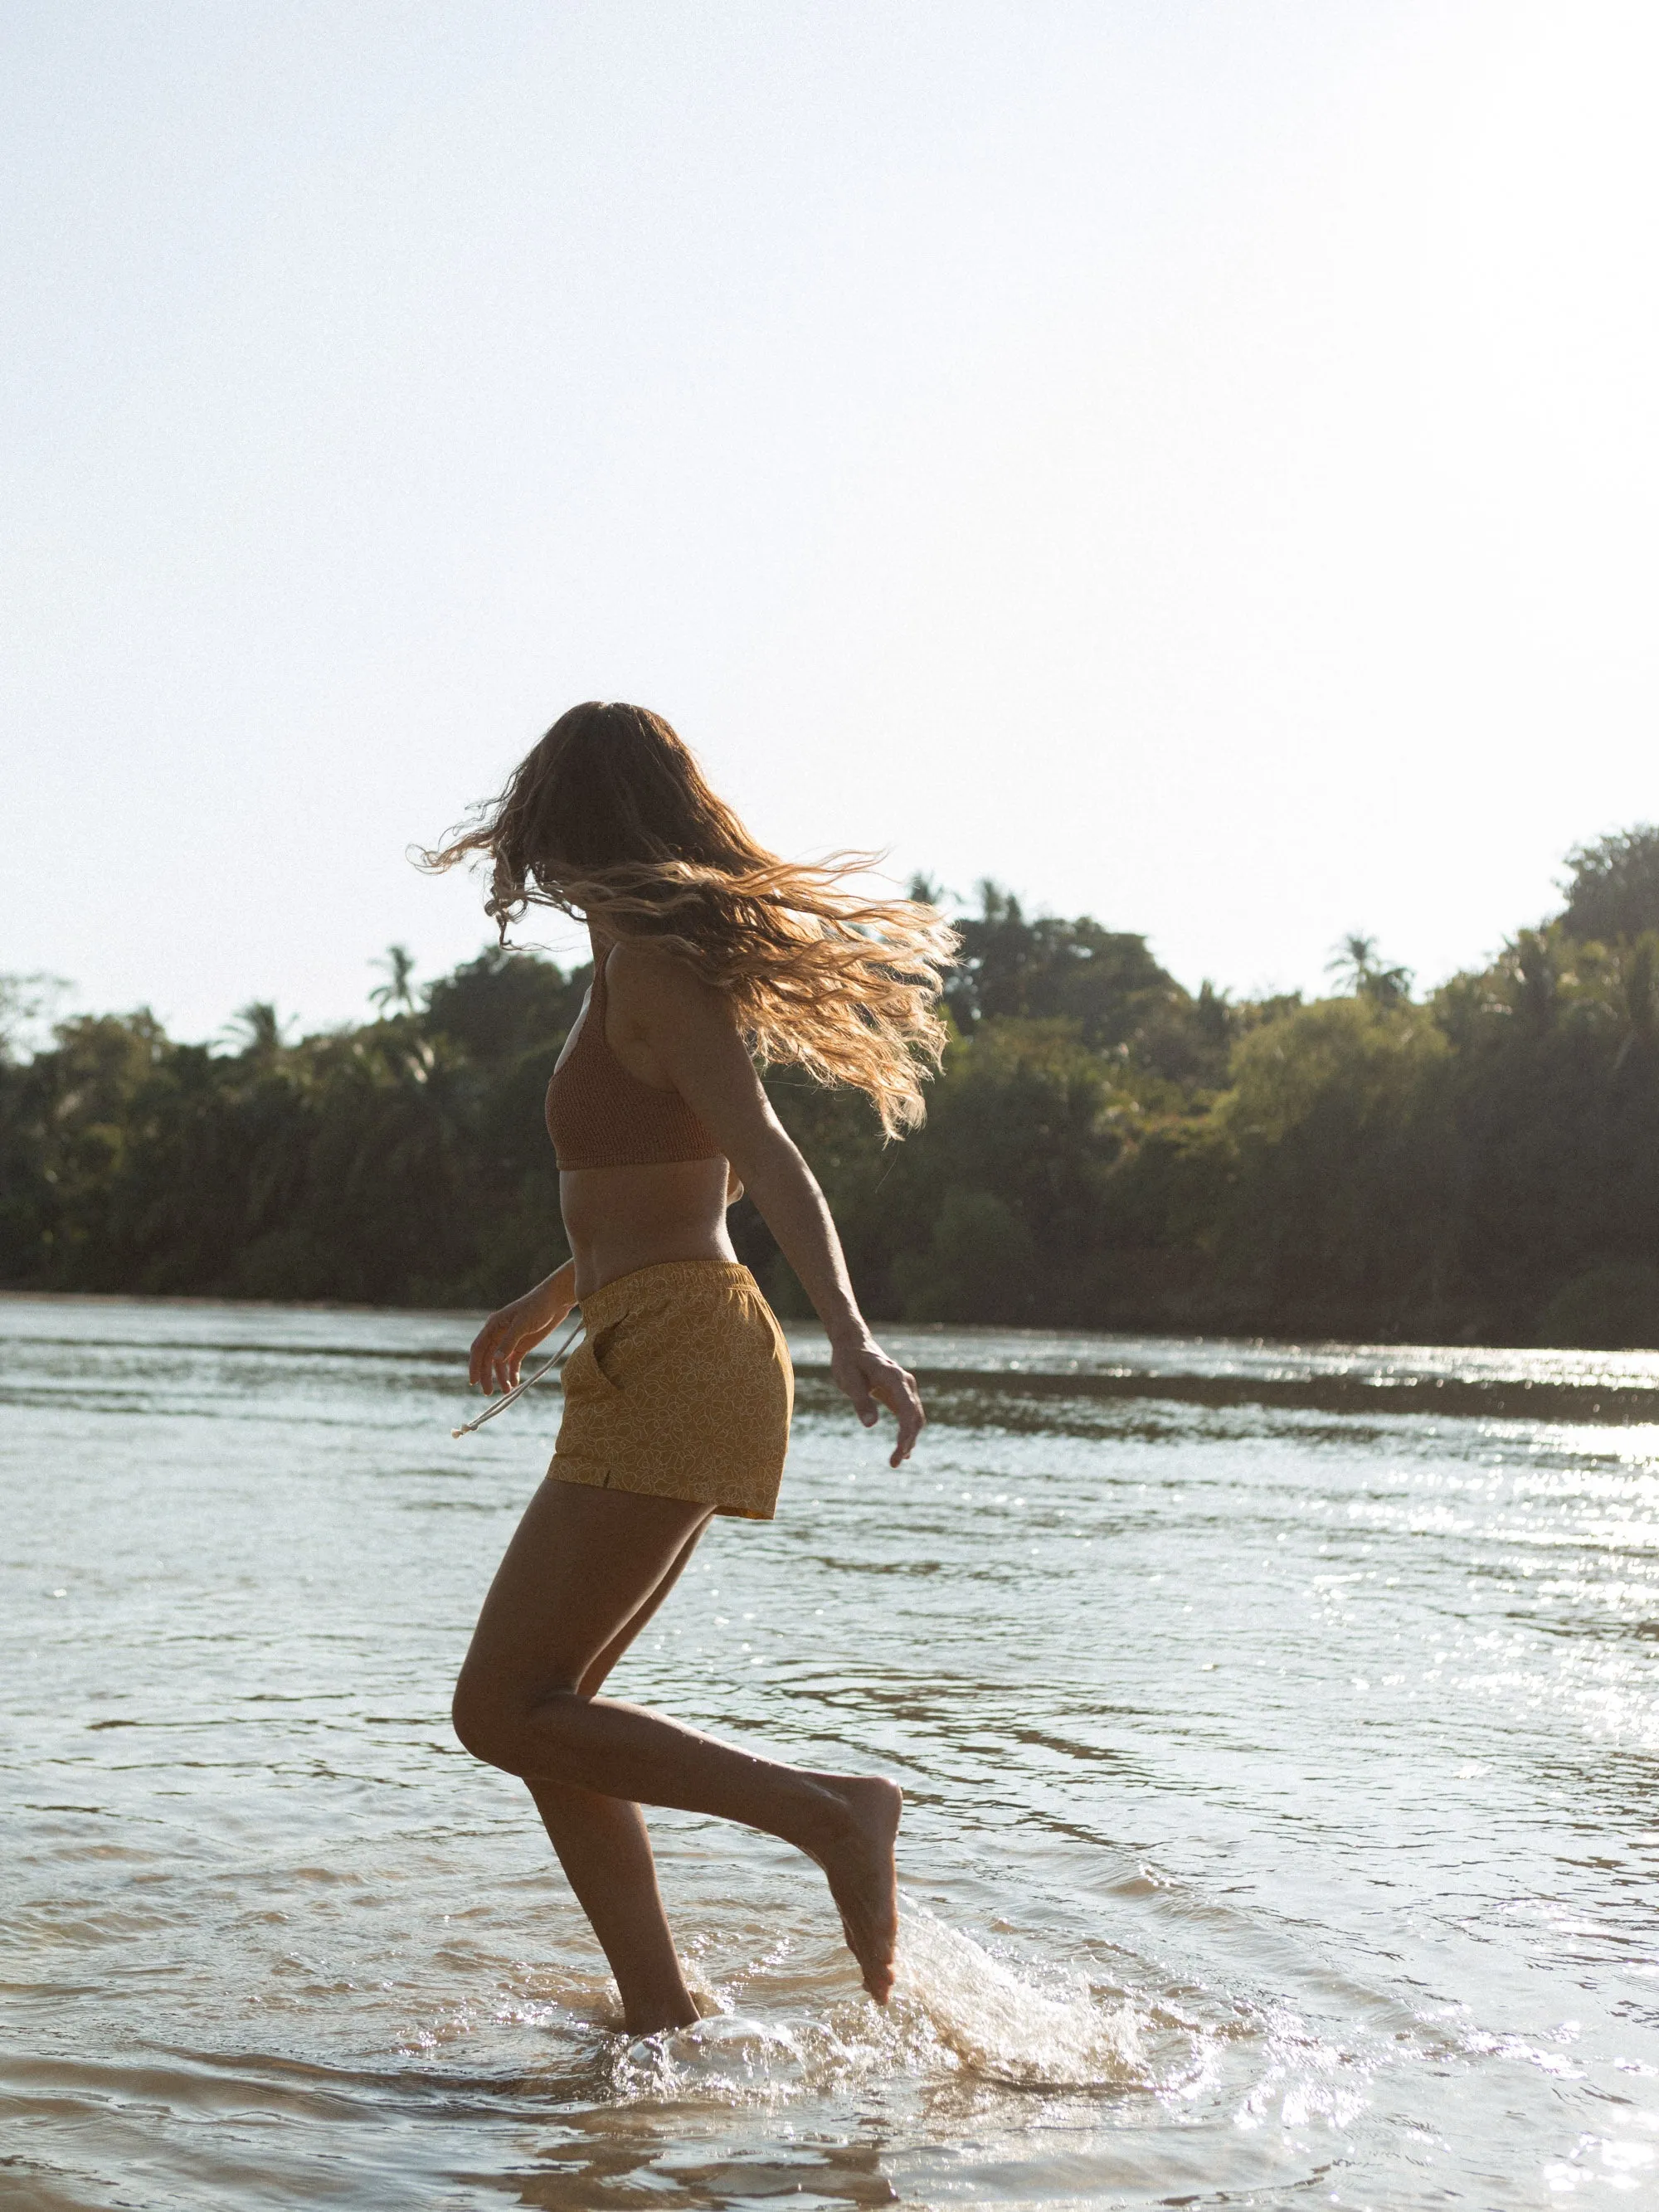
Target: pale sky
column 1195, row 463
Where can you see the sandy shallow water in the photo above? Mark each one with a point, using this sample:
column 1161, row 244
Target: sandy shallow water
column 1279, row 1727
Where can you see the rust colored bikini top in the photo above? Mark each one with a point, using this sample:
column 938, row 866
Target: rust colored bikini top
column 599, row 1116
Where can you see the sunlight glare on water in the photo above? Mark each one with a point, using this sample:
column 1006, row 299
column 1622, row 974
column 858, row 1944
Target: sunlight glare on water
column 1278, row 1726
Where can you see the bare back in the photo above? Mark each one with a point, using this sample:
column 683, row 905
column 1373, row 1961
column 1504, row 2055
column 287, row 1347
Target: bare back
column 621, row 1218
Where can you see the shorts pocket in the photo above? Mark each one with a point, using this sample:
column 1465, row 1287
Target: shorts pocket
column 584, row 1371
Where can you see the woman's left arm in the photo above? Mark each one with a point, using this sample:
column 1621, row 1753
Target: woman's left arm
column 688, row 1027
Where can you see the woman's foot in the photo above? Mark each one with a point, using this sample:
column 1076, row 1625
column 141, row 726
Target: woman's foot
column 659, row 2020
column 853, row 1844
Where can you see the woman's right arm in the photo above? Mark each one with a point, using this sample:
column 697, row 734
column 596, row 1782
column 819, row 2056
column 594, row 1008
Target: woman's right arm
column 500, row 1346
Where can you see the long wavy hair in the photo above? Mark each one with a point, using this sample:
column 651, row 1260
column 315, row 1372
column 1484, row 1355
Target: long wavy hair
column 609, row 819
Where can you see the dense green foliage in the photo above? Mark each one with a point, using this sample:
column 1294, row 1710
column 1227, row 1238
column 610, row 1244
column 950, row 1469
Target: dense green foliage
column 1104, row 1148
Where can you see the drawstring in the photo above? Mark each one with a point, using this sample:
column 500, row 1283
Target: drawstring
column 518, row 1389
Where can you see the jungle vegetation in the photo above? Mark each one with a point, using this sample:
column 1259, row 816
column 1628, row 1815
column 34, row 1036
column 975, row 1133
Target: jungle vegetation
column 1104, row 1148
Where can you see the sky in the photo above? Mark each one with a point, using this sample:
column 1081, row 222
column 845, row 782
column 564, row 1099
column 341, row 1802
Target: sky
column 1195, row 463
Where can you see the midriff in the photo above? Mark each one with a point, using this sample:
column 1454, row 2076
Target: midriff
column 621, row 1218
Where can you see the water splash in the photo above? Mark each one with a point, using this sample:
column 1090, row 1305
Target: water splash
column 958, row 2013
column 994, row 2023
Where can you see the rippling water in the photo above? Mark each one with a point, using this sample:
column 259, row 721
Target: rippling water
column 1279, row 1727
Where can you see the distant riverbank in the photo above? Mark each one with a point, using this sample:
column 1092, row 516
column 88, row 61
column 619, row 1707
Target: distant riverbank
column 1105, row 1149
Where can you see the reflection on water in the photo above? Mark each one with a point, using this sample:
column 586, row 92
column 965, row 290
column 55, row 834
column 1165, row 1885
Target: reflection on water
column 1280, row 1728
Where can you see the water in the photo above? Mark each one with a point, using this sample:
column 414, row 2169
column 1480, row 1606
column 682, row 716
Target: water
column 1280, row 1730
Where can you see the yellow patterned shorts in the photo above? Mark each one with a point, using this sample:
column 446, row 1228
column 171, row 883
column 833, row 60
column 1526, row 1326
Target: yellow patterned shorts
column 681, row 1388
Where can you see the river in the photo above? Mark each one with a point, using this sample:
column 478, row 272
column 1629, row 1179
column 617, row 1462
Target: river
column 1280, row 1728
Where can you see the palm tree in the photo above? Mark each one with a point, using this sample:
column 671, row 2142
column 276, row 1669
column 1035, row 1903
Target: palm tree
column 256, row 1030
column 1357, row 963
column 395, row 994
column 27, row 1004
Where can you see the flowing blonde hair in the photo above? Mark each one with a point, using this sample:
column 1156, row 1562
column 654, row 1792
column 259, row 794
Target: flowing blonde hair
column 609, row 819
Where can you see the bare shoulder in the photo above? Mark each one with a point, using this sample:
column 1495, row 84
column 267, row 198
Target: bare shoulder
column 651, row 986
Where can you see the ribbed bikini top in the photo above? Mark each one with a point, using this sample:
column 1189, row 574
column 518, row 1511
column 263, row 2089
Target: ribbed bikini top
column 599, row 1116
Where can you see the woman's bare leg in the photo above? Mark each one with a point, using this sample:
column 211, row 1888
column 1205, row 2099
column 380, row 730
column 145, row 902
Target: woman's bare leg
column 606, row 1851
column 581, row 1565
column 605, row 1848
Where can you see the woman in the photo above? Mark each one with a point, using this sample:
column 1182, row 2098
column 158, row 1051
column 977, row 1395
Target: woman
column 677, row 1403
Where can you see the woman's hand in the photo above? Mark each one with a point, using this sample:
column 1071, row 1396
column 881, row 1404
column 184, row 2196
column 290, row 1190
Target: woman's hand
column 499, row 1349
column 861, row 1368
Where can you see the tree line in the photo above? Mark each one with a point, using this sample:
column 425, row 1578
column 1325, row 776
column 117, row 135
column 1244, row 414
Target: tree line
column 1104, row 1148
